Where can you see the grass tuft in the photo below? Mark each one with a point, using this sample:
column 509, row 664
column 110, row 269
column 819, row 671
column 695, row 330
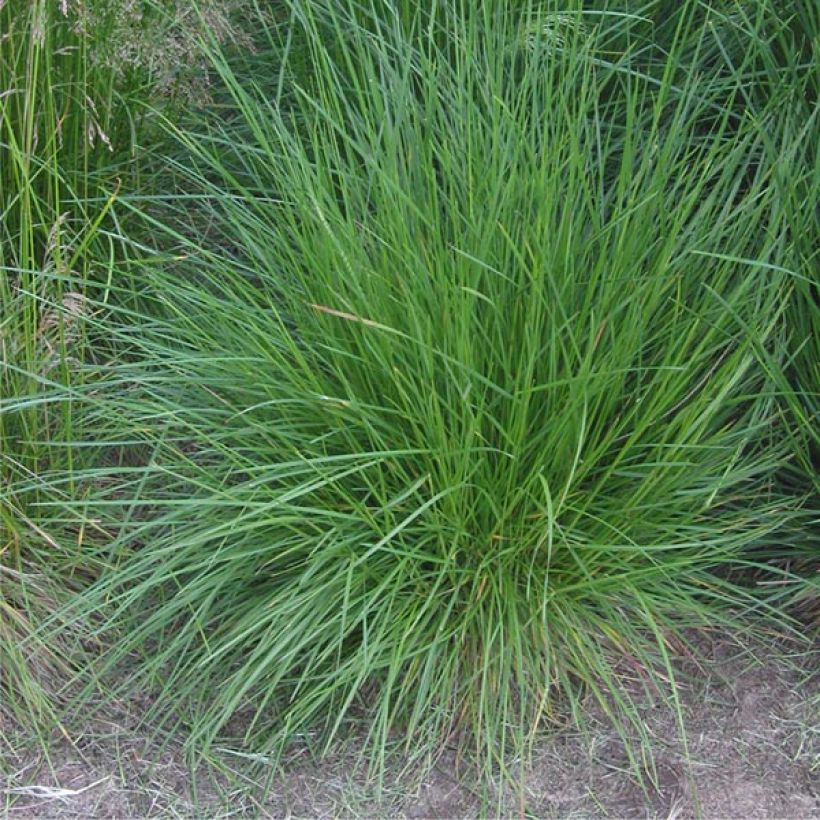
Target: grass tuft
column 458, row 397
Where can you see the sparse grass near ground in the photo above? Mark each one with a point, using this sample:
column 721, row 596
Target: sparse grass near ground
column 754, row 754
column 430, row 384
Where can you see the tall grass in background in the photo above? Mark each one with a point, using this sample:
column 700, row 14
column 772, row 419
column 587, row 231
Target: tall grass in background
column 57, row 136
column 787, row 78
column 75, row 83
column 799, row 122
column 461, row 394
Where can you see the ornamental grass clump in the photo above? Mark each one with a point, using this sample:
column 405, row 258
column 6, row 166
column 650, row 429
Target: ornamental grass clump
column 448, row 410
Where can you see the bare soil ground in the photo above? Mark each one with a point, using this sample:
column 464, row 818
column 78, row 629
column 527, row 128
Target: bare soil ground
column 753, row 725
